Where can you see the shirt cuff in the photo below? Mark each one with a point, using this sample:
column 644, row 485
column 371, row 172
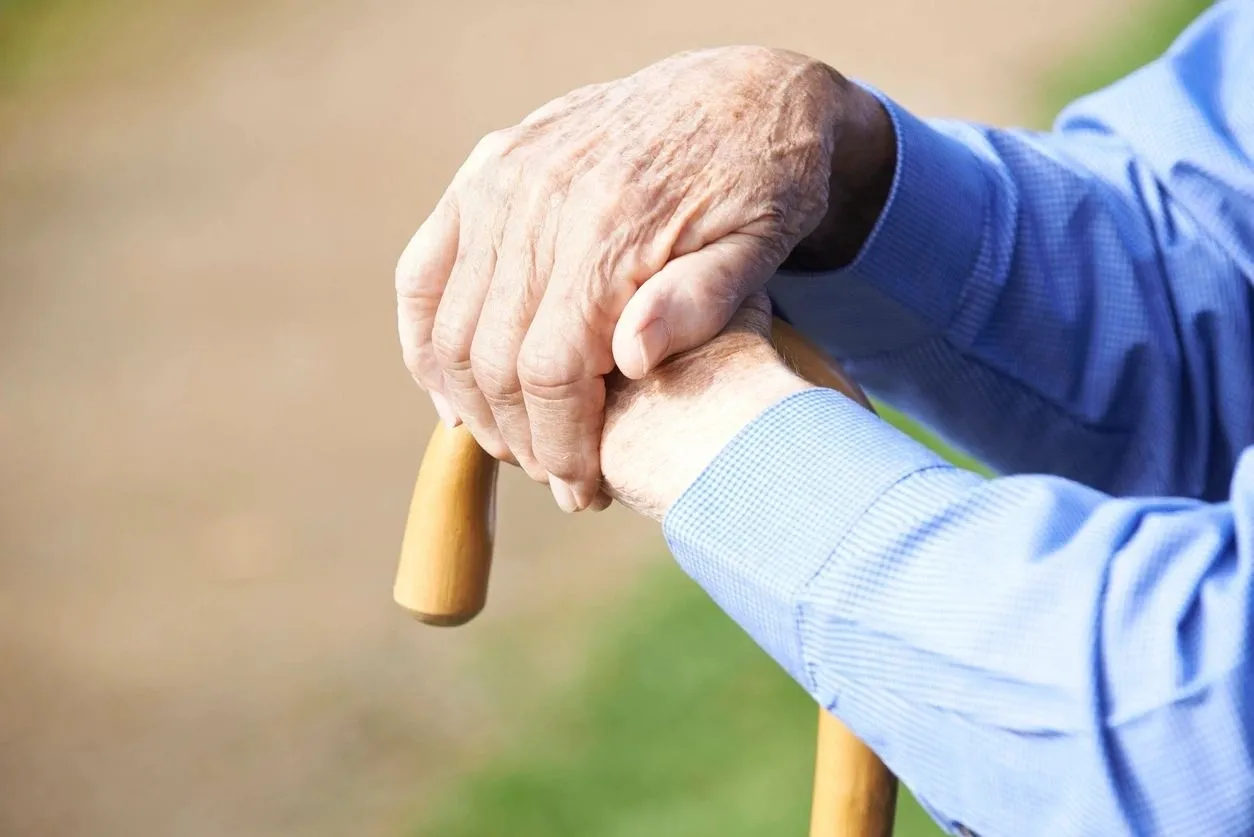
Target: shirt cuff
column 765, row 516
column 906, row 282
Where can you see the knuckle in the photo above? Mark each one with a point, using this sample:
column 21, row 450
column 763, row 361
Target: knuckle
column 492, row 144
column 411, row 287
column 494, row 147
column 496, row 378
column 451, row 344
column 539, row 374
column 531, row 195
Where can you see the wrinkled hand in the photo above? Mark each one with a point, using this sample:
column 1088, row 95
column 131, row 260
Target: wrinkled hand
column 663, row 430
column 613, row 227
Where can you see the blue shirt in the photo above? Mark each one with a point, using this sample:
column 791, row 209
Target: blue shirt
column 1064, row 650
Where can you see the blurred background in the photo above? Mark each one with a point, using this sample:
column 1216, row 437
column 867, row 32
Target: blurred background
column 207, row 438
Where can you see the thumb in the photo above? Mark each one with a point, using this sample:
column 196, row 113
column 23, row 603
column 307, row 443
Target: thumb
column 689, row 301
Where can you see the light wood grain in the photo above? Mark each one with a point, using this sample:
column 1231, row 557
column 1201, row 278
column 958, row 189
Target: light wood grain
column 447, row 554
column 854, row 793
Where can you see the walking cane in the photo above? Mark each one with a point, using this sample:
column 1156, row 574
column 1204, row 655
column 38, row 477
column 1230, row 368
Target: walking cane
column 447, row 554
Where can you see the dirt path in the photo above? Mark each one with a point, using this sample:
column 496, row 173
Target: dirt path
column 206, row 436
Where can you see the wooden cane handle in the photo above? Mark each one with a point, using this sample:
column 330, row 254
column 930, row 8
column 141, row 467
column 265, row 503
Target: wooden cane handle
column 447, row 554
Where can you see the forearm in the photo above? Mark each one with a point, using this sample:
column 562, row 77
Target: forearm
column 1013, row 649
column 1087, row 288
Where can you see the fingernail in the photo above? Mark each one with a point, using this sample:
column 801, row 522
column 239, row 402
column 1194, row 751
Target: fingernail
column 653, row 341
column 444, row 409
column 563, row 495
column 601, row 502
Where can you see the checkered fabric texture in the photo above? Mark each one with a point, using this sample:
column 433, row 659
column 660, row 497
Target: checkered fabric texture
column 1064, row 650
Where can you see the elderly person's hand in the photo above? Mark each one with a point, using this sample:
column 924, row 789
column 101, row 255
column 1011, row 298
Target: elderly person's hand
column 663, row 430
column 617, row 226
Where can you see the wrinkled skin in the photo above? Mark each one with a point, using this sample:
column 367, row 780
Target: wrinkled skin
column 614, row 227
column 663, row 430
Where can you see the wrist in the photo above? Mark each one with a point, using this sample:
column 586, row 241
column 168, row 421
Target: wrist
column 658, row 439
column 863, row 165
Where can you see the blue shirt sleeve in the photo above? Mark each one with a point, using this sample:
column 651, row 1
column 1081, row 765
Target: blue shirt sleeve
column 1030, row 654
column 1086, row 288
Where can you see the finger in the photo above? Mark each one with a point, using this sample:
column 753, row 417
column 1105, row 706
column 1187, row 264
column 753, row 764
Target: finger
column 688, row 302
column 453, row 332
column 422, row 274
column 564, row 356
column 513, row 297
column 601, row 502
column 561, row 105
column 565, row 422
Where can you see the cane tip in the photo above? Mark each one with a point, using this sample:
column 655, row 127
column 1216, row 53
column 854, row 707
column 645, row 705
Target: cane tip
column 443, row 620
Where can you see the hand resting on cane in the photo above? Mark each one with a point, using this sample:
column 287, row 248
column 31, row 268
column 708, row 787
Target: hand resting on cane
column 661, row 431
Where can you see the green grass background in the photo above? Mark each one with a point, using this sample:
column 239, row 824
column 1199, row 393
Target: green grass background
column 680, row 725
column 39, row 36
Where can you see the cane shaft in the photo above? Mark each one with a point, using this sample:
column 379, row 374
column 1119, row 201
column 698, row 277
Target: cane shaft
column 854, row 794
